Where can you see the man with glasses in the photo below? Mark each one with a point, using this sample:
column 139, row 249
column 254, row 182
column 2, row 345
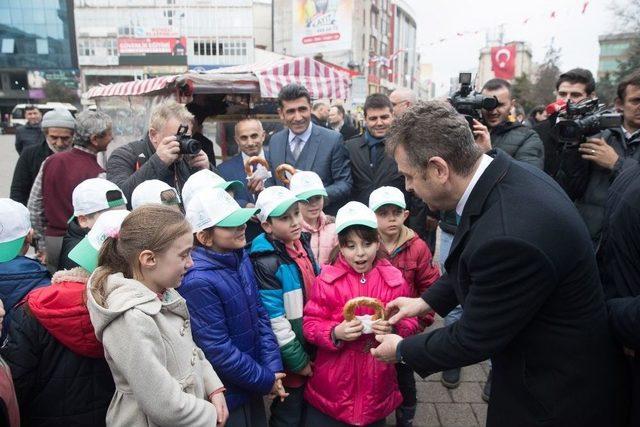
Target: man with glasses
column 58, row 127
column 401, row 100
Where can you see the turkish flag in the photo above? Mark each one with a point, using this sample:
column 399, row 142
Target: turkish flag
column 503, row 61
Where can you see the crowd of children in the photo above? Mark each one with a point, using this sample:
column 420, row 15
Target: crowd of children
column 156, row 317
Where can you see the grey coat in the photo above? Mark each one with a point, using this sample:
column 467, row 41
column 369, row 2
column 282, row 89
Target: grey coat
column 520, row 142
column 162, row 378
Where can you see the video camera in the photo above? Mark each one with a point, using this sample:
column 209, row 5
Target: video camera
column 188, row 145
column 583, row 119
column 469, row 103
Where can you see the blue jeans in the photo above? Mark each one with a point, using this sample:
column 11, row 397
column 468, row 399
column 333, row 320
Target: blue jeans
column 444, row 247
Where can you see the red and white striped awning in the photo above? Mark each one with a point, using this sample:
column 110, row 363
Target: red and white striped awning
column 138, row 87
column 322, row 81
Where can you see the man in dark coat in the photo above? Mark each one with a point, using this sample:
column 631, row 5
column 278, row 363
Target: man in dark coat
column 30, row 133
column 337, row 121
column 58, row 127
column 522, row 267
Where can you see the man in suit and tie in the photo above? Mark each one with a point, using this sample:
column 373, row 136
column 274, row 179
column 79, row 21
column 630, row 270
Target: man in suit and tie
column 523, row 268
column 309, row 147
column 250, row 136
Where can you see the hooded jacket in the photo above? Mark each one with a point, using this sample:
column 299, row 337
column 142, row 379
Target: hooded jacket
column 323, row 237
column 520, row 142
column 230, row 324
column 58, row 365
column 413, row 258
column 74, row 235
column 348, row 383
column 17, row 278
column 161, row 377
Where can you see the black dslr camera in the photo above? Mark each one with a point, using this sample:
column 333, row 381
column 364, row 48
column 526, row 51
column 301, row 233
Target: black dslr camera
column 188, row 145
column 584, row 119
column 469, row 103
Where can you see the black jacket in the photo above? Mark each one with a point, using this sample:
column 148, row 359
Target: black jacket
column 551, row 145
column 27, row 135
column 520, row 142
column 367, row 178
column 316, row 121
column 55, row 386
column 588, row 184
column 348, row 131
column 522, row 266
column 74, row 235
column 133, row 163
column 27, row 168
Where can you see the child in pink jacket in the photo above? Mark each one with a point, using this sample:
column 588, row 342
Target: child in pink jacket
column 308, row 186
column 348, row 384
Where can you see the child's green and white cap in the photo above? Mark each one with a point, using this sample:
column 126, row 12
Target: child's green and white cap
column 95, row 195
column 306, row 184
column 206, row 179
column 14, row 226
column 386, row 196
column 154, row 192
column 85, row 253
column 216, row 207
column 355, row 213
column 274, row 201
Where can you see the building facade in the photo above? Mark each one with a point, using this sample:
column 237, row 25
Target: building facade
column 37, row 46
column 375, row 39
column 121, row 40
column 613, row 50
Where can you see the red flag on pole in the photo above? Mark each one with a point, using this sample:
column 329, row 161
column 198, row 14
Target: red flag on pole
column 503, row 61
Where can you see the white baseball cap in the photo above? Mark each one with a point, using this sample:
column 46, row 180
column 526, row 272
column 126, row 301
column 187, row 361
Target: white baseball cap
column 95, row 195
column 306, row 184
column 274, row 201
column 85, row 253
column 215, row 207
column 154, row 192
column 206, row 179
column 355, row 213
column 386, row 196
column 14, row 226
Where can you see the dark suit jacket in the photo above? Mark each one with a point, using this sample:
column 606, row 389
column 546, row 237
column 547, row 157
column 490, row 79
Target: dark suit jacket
column 233, row 170
column 325, row 154
column 348, row 131
column 365, row 178
column 27, row 168
column 522, row 266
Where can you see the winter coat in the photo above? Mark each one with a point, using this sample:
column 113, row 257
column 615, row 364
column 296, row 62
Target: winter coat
column 26, row 170
column 283, row 296
column 27, row 135
column 161, row 377
column 323, row 237
column 520, row 142
column 58, row 365
column 413, row 258
column 230, row 325
column 17, row 278
column 587, row 183
column 348, row 383
column 9, row 411
column 132, row 164
column 74, row 235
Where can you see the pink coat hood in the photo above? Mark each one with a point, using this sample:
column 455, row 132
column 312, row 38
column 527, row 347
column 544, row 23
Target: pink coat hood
column 323, row 237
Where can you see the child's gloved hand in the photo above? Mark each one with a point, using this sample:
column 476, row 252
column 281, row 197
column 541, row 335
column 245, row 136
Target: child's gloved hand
column 349, row 331
column 381, row 327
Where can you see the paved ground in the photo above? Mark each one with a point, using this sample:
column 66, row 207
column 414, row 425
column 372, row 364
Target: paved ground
column 461, row 407
column 437, row 406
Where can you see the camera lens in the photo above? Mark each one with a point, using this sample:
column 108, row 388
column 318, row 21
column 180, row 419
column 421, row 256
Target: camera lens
column 190, row 146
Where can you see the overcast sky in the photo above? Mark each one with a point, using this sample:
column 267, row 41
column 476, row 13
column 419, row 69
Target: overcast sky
column 576, row 34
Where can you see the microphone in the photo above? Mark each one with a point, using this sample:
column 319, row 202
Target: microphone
column 556, row 107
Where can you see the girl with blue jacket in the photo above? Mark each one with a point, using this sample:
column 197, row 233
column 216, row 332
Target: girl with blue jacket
column 228, row 321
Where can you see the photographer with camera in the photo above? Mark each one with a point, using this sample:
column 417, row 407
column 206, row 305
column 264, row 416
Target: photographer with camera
column 590, row 160
column 167, row 152
column 517, row 140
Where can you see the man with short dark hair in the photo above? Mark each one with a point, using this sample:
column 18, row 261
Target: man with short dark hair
column 337, row 121
column 514, row 138
column 306, row 146
column 522, row 267
column 575, row 85
column 30, row 133
column 590, row 168
column 320, row 114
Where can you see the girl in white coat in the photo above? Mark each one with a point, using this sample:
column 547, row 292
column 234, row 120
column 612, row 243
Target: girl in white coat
column 162, row 378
